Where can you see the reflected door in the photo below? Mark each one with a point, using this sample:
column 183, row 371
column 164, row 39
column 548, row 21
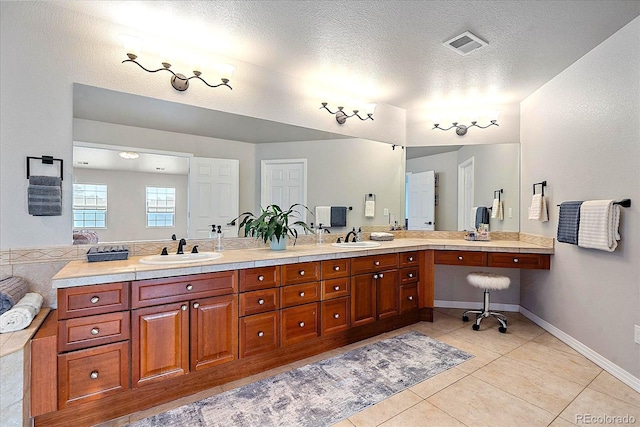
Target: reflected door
column 284, row 183
column 465, row 195
column 213, row 196
column 421, row 201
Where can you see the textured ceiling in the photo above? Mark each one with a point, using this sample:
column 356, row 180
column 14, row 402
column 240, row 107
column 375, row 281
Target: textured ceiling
column 387, row 51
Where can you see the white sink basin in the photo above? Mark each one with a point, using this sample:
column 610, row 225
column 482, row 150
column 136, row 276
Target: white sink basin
column 180, row 259
column 356, row 245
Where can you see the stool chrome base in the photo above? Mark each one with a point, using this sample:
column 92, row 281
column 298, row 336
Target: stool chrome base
column 481, row 314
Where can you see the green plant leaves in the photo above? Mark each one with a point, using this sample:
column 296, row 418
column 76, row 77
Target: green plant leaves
column 273, row 222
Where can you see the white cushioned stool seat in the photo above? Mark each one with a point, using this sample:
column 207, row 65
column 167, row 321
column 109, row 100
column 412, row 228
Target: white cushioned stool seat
column 487, row 281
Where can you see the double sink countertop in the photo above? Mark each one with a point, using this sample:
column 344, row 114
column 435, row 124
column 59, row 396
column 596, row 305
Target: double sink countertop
column 82, row 272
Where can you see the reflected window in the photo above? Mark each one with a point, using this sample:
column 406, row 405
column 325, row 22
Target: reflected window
column 161, row 206
column 89, row 206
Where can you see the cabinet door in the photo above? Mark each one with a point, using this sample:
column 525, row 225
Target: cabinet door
column 388, row 292
column 363, row 299
column 259, row 333
column 335, row 315
column 214, row 331
column 408, row 297
column 160, row 343
column 300, row 323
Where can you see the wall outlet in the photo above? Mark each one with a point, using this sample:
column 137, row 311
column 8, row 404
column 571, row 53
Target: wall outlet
column 637, row 338
column 386, row 211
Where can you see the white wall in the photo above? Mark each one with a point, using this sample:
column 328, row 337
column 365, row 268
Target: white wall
column 581, row 133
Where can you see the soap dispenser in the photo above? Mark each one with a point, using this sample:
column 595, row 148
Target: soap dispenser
column 219, row 233
column 359, row 235
column 320, row 233
column 212, row 233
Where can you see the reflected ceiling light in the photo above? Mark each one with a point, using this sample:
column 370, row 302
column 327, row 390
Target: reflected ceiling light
column 129, row 155
column 179, row 81
column 342, row 117
column 462, row 129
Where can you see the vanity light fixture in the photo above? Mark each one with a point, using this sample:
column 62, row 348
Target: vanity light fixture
column 179, row 81
column 342, row 117
column 462, row 129
column 129, row 155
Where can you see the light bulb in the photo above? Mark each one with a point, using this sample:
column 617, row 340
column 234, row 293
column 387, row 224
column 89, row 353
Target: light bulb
column 131, row 45
column 225, row 71
column 370, row 108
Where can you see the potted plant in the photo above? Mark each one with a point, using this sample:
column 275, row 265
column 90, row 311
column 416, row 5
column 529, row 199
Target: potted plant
column 273, row 225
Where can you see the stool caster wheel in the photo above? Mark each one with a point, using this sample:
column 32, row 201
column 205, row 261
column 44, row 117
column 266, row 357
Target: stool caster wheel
column 502, row 329
column 465, row 318
column 476, row 327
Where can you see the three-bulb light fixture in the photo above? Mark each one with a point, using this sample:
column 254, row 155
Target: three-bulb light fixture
column 462, row 129
column 179, row 81
column 342, row 117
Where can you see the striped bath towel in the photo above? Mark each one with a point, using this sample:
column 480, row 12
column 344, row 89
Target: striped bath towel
column 569, row 222
column 599, row 221
column 44, row 196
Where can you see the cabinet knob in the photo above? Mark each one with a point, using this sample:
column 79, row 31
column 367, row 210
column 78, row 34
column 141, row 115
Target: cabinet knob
column 410, row 275
column 515, row 260
column 93, row 375
column 301, row 294
column 301, row 272
column 196, row 305
column 301, row 324
column 95, row 331
column 336, row 288
column 381, row 275
column 460, row 258
column 189, row 287
column 260, row 301
column 336, row 316
column 410, row 258
column 410, row 297
column 183, row 307
column 260, row 334
column 336, row 268
column 376, row 263
column 95, row 299
column 260, row 278
column 375, row 276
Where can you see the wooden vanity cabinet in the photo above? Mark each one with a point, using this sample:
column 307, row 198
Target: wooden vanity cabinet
column 470, row 258
column 494, row 259
column 409, row 279
column 374, row 288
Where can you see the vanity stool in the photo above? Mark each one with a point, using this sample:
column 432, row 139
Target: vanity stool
column 487, row 281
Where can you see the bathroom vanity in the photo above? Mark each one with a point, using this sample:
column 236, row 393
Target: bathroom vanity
column 127, row 336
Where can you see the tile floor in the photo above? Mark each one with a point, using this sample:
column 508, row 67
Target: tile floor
column 525, row 377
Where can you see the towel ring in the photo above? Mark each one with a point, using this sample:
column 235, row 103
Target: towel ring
column 542, row 184
column 46, row 160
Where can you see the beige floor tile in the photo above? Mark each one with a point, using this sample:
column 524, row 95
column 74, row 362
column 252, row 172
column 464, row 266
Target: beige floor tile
column 610, row 385
column 481, row 356
column 524, row 329
column 541, row 388
column 435, row 384
column 421, row 415
column 343, row 423
column 427, row 329
column 489, row 337
column 591, row 404
column 559, row 422
column 385, row 410
column 476, row 403
column 571, row 367
column 118, row 422
column 553, row 342
column 453, row 312
column 446, row 323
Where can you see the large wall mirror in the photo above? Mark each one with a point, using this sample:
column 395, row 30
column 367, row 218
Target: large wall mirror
column 153, row 195
column 463, row 177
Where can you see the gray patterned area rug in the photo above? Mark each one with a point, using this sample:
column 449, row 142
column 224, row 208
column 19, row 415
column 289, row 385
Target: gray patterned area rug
column 322, row 393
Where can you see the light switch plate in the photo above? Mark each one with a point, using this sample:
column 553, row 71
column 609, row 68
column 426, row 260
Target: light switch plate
column 386, row 211
column 510, row 212
column 637, row 338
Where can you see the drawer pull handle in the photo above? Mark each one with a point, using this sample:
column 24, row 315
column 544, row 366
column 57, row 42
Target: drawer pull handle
column 260, row 301
column 183, row 307
column 376, row 263
column 336, row 288
column 515, row 260
column 260, row 278
column 196, row 305
column 381, row 275
column 336, row 268
column 410, row 297
column 336, row 316
column 95, row 331
column 94, row 300
column 301, row 324
column 301, row 294
column 260, row 334
column 410, row 275
column 460, row 258
column 410, row 258
column 301, row 272
column 189, row 287
column 94, row 375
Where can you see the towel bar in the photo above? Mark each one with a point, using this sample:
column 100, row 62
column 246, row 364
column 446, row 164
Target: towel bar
column 625, row 203
column 542, row 184
column 500, row 191
column 47, row 160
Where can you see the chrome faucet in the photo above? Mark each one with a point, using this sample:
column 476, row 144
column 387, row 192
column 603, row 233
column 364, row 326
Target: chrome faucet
column 181, row 243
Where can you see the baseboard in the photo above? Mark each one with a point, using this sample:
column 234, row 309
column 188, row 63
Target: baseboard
column 595, row 357
column 475, row 305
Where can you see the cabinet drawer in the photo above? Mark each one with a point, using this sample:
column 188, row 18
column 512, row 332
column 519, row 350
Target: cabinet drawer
column 146, row 293
column 409, row 275
column 253, row 279
column 300, row 294
column 408, row 297
column 91, row 331
column 336, row 315
column 335, row 268
column 94, row 299
column 335, row 288
column 513, row 260
column 91, row 374
column 300, row 273
column 299, row 323
column 259, row 333
column 369, row 264
column 259, row 301
column 478, row 259
column 408, row 259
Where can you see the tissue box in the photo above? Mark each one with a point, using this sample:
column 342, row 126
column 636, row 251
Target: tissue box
column 107, row 253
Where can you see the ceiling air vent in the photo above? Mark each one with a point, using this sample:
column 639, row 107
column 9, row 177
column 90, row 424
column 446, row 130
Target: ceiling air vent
column 465, row 43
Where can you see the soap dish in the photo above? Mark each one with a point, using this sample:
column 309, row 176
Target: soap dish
column 107, row 253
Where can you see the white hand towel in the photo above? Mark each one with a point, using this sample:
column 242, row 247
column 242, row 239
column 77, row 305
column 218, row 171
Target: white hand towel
column 544, row 211
column 22, row 314
column 494, row 208
column 599, row 221
column 369, row 208
column 501, row 211
column 535, row 211
column 323, row 216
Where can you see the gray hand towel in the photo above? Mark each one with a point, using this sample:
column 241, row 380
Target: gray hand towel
column 482, row 216
column 12, row 290
column 338, row 216
column 44, row 196
column 569, row 222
